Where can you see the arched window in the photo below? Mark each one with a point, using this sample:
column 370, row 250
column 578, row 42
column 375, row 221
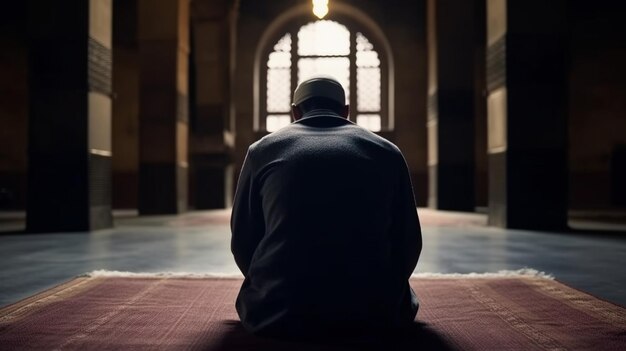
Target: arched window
column 330, row 48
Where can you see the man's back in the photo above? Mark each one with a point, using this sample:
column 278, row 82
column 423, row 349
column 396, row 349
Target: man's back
column 324, row 229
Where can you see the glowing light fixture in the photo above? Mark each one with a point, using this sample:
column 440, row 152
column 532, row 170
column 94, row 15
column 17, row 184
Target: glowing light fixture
column 320, row 8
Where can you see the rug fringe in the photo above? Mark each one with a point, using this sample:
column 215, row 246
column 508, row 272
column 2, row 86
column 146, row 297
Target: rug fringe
column 524, row 272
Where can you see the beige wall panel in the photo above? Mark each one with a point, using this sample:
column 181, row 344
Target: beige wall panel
column 432, row 142
column 183, row 24
column 99, row 123
column 497, row 121
column 182, row 132
column 100, row 21
column 432, row 47
column 182, row 72
column 496, row 20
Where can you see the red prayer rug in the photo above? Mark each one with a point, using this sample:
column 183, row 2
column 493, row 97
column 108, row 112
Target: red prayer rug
column 171, row 312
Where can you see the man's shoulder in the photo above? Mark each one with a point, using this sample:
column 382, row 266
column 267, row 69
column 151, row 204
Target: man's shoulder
column 384, row 142
column 351, row 132
column 273, row 138
column 373, row 138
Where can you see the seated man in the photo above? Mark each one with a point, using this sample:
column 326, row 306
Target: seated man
column 324, row 224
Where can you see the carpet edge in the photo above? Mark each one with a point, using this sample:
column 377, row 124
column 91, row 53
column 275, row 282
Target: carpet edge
column 103, row 273
column 58, row 291
column 524, row 272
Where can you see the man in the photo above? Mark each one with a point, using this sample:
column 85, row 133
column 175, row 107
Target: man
column 324, row 224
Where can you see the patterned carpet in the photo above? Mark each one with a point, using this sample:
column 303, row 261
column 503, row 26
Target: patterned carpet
column 161, row 312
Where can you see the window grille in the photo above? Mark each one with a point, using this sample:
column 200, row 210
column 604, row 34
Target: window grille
column 330, row 48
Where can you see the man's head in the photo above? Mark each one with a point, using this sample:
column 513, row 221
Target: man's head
column 321, row 92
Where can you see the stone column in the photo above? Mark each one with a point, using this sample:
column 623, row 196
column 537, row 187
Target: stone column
column 451, row 112
column 13, row 106
column 125, row 104
column 480, row 107
column 527, row 116
column 70, row 116
column 212, row 138
column 163, row 107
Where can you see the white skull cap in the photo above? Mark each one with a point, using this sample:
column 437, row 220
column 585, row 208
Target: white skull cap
column 319, row 86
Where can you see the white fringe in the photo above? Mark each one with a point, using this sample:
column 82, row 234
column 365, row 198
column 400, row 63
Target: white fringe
column 524, row 272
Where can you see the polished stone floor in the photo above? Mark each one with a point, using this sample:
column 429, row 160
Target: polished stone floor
column 199, row 242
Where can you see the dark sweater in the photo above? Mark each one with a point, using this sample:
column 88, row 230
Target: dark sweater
column 325, row 230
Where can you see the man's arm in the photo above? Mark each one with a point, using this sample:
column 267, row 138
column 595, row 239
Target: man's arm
column 246, row 222
column 406, row 226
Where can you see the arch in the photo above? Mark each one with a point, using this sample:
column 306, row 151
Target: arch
column 302, row 14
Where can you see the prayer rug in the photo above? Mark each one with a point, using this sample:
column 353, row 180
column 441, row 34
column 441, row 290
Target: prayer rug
column 107, row 310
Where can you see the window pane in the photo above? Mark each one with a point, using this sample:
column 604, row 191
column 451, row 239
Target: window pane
column 368, row 89
column 279, row 59
column 323, row 38
column 279, row 76
column 371, row 122
column 362, row 43
column 337, row 67
column 275, row 122
column 278, row 89
column 367, row 59
column 284, row 44
column 366, row 56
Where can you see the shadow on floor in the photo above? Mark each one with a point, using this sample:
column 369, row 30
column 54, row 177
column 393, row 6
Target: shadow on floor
column 419, row 337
